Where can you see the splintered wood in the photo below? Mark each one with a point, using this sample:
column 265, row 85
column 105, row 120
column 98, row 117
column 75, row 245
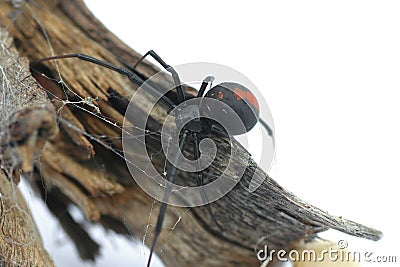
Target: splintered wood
column 27, row 116
column 27, row 120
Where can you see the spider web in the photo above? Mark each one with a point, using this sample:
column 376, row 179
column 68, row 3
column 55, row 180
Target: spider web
column 14, row 83
column 75, row 101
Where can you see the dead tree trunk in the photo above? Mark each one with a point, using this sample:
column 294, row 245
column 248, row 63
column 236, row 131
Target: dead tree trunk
column 27, row 121
column 86, row 113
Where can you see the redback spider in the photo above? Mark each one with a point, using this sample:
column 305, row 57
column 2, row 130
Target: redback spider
column 241, row 100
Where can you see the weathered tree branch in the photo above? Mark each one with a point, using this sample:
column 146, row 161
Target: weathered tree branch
column 27, row 121
column 69, row 162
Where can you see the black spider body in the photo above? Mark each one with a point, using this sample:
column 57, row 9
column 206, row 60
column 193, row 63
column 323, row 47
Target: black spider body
column 242, row 102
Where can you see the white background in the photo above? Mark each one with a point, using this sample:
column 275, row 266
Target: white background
column 329, row 71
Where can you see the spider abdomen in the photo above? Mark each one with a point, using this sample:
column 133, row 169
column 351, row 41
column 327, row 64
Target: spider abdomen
column 240, row 100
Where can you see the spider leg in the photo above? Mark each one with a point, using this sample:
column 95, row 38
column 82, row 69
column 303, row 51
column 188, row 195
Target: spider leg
column 131, row 76
column 171, row 178
column 200, row 181
column 208, row 80
column 175, row 76
column 267, row 128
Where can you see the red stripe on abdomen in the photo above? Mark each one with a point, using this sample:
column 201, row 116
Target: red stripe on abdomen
column 240, row 94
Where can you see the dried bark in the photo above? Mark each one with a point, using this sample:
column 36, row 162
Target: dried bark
column 20, row 243
column 27, row 121
column 69, row 161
